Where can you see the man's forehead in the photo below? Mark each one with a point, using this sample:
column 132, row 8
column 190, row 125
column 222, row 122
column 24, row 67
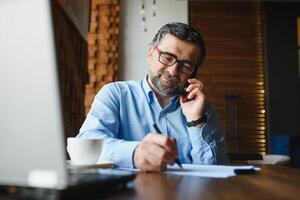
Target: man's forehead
column 172, row 40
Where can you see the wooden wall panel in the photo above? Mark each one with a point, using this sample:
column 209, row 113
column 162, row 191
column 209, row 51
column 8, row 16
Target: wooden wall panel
column 72, row 56
column 103, row 46
column 234, row 66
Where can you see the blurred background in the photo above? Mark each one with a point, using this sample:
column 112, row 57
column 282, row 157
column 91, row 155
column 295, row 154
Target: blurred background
column 251, row 73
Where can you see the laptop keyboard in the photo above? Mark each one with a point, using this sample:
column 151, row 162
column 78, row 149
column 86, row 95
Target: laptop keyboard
column 105, row 176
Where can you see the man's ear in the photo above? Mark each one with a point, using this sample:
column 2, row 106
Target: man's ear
column 150, row 52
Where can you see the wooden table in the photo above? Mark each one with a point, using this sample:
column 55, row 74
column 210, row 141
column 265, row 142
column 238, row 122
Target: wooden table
column 272, row 182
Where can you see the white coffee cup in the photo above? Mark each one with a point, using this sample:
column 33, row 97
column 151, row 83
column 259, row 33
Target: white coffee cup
column 84, row 151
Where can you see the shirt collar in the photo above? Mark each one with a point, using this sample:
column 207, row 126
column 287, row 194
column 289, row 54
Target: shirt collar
column 147, row 89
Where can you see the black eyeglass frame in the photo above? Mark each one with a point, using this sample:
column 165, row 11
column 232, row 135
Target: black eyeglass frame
column 180, row 62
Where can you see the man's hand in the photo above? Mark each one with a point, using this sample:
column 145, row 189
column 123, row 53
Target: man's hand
column 155, row 152
column 193, row 103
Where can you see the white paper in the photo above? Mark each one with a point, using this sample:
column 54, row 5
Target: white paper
column 214, row 171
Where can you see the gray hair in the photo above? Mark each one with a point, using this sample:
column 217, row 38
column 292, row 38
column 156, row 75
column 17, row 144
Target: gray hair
column 183, row 32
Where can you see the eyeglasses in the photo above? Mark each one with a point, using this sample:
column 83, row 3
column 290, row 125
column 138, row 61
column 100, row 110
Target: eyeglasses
column 169, row 59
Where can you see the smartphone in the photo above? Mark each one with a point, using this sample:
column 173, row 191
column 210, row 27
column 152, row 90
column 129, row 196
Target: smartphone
column 183, row 91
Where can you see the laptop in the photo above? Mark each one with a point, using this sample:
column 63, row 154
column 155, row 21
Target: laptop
column 32, row 142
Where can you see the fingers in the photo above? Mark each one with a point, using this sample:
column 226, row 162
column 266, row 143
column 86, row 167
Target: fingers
column 167, row 143
column 194, row 89
column 195, row 92
column 161, row 156
column 158, row 158
column 194, row 83
column 154, row 153
column 148, row 167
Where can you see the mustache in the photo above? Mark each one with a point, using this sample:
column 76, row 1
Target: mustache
column 169, row 76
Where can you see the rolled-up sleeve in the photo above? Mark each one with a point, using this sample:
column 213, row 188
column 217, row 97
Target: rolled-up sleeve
column 102, row 121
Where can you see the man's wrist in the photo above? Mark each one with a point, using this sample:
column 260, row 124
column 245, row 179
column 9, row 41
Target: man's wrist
column 198, row 122
column 133, row 154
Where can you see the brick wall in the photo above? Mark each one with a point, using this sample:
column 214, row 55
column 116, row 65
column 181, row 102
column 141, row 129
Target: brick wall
column 103, row 46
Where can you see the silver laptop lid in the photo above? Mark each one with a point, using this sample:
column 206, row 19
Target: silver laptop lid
column 31, row 135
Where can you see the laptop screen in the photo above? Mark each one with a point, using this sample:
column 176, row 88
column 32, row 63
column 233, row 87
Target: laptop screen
column 32, row 151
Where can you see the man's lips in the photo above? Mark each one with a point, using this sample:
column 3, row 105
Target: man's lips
column 168, row 79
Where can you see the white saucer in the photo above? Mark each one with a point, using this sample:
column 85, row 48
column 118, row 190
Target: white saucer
column 102, row 164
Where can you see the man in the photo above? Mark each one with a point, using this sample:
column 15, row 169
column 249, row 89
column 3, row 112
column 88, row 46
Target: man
column 123, row 113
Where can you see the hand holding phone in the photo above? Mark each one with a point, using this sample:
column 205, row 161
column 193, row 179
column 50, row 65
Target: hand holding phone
column 184, row 93
column 193, row 100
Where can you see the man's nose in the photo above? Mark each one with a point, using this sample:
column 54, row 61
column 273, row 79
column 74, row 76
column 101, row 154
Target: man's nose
column 174, row 69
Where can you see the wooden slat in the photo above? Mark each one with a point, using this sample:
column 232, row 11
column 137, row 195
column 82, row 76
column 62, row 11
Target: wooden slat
column 234, row 64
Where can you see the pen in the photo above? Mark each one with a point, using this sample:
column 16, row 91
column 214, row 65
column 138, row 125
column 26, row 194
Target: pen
column 176, row 160
column 245, row 171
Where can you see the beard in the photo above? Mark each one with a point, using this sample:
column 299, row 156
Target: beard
column 164, row 88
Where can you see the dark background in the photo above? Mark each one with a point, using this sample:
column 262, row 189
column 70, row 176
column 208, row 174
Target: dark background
column 282, row 76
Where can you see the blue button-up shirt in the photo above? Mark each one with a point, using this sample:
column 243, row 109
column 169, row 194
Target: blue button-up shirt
column 123, row 113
